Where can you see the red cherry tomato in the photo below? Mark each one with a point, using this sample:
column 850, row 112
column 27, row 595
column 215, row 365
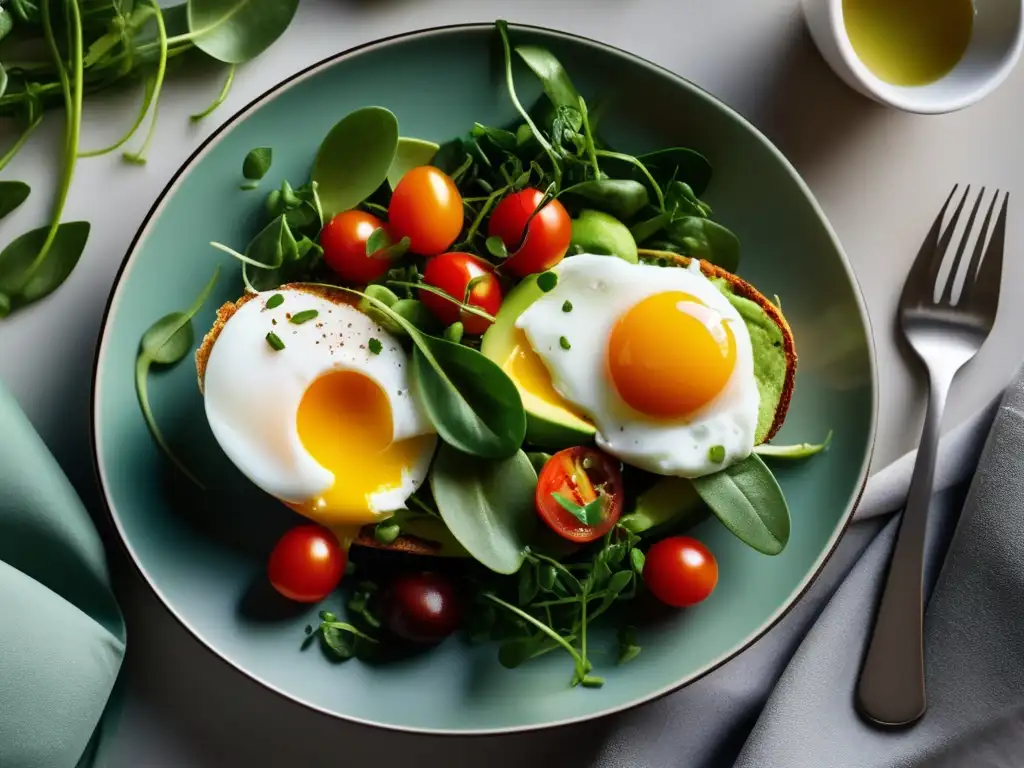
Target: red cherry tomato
column 426, row 207
column 452, row 273
column 680, row 571
column 422, row 607
column 344, row 243
column 548, row 238
column 579, row 476
column 306, row 564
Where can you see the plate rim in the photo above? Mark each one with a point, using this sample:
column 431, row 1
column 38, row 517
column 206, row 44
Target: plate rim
column 220, row 131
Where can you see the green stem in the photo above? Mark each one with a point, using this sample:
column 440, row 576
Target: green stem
column 643, row 168
column 161, row 69
column 220, row 96
column 475, row 226
column 467, row 308
column 510, row 83
column 141, row 390
column 147, row 99
column 542, row 627
column 73, row 107
column 20, row 142
column 589, row 138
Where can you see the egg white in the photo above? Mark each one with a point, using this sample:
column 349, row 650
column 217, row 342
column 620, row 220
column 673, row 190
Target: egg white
column 252, row 392
column 600, row 289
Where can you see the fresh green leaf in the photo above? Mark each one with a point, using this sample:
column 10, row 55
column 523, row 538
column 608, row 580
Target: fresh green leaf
column 588, row 514
column 12, row 194
column 628, row 649
column 355, row 158
column 488, row 505
column 496, row 247
column 799, row 451
column 25, row 279
column 747, row 498
column 166, row 343
column 705, row 239
column 275, row 301
column 257, row 163
column 538, row 459
column 454, row 332
column 547, row 576
column 411, row 153
column 6, row 25
column 236, row 31
column 623, row 198
column 502, row 139
column 337, row 641
column 512, row 653
column 378, row 240
column 552, row 75
column 637, row 560
column 529, row 584
column 647, row 228
column 564, row 343
column 681, row 200
column 618, row 582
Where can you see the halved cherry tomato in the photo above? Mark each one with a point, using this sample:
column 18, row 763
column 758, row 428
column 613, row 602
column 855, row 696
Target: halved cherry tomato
column 426, row 207
column 307, row 563
column 452, row 273
column 344, row 243
column 574, row 478
column 680, row 571
column 547, row 241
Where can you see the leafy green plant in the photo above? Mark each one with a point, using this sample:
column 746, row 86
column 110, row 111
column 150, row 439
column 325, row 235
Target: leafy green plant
column 487, row 505
column 166, row 343
column 798, row 451
column 355, row 158
column 411, row 153
column 62, row 50
column 12, row 194
column 256, row 165
column 747, row 499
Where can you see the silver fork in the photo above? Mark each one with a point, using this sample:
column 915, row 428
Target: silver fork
column 945, row 333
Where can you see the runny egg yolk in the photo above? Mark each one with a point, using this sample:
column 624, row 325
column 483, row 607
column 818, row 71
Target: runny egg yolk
column 344, row 421
column 670, row 354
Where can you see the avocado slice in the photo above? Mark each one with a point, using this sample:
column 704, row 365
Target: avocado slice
column 603, row 234
column 548, row 425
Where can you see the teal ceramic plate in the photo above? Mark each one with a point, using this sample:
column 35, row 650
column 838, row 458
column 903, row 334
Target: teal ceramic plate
column 204, row 554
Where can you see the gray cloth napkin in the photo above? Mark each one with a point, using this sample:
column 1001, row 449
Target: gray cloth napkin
column 788, row 700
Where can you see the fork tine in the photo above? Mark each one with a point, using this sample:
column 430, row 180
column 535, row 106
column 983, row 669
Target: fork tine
column 984, row 296
column 979, row 252
column 946, row 295
column 919, row 287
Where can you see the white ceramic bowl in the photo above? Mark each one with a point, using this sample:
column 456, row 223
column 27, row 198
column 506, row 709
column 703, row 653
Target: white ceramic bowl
column 994, row 48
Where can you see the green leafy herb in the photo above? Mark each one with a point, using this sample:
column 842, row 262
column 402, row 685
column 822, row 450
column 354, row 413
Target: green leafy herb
column 552, row 75
column 378, row 240
column 628, row 649
column 355, row 158
column 454, row 332
column 275, row 301
column 623, row 198
column 166, row 343
column 304, row 316
column 220, row 98
column 637, row 560
column 375, row 346
column 488, row 505
column 275, row 341
column 588, row 514
column 747, row 499
column 339, row 637
column 547, row 281
column 496, row 247
column 799, row 451
column 249, row 186
column 236, row 31
column 411, row 153
column 671, row 501
column 257, row 163
column 564, row 343
column 12, row 194
column 716, row 453
column 24, row 278
column 567, row 306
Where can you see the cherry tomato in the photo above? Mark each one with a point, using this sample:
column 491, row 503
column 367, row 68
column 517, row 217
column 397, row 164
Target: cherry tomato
column 422, row 607
column 452, row 273
column 344, row 243
column 426, row 207
column 307, row 563
column 548, row 238
column 680, row 571
column 579, row 476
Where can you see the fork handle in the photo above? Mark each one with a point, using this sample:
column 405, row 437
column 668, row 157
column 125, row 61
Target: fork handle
column 891, row 690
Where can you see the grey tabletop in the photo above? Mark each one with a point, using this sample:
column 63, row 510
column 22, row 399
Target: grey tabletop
column 880, row 176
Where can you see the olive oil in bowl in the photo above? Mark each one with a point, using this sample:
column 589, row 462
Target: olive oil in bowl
column 909, row 42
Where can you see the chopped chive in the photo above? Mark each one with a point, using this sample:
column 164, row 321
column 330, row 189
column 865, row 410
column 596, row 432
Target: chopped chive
column 305, row 316
column 716, row 453
column 567, row 306
column 375, row 346
column 546, row 281
column 564, row 343
column 275, row 342
column 275, row 301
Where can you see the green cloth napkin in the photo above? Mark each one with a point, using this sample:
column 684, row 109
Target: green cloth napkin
column 61, row 633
